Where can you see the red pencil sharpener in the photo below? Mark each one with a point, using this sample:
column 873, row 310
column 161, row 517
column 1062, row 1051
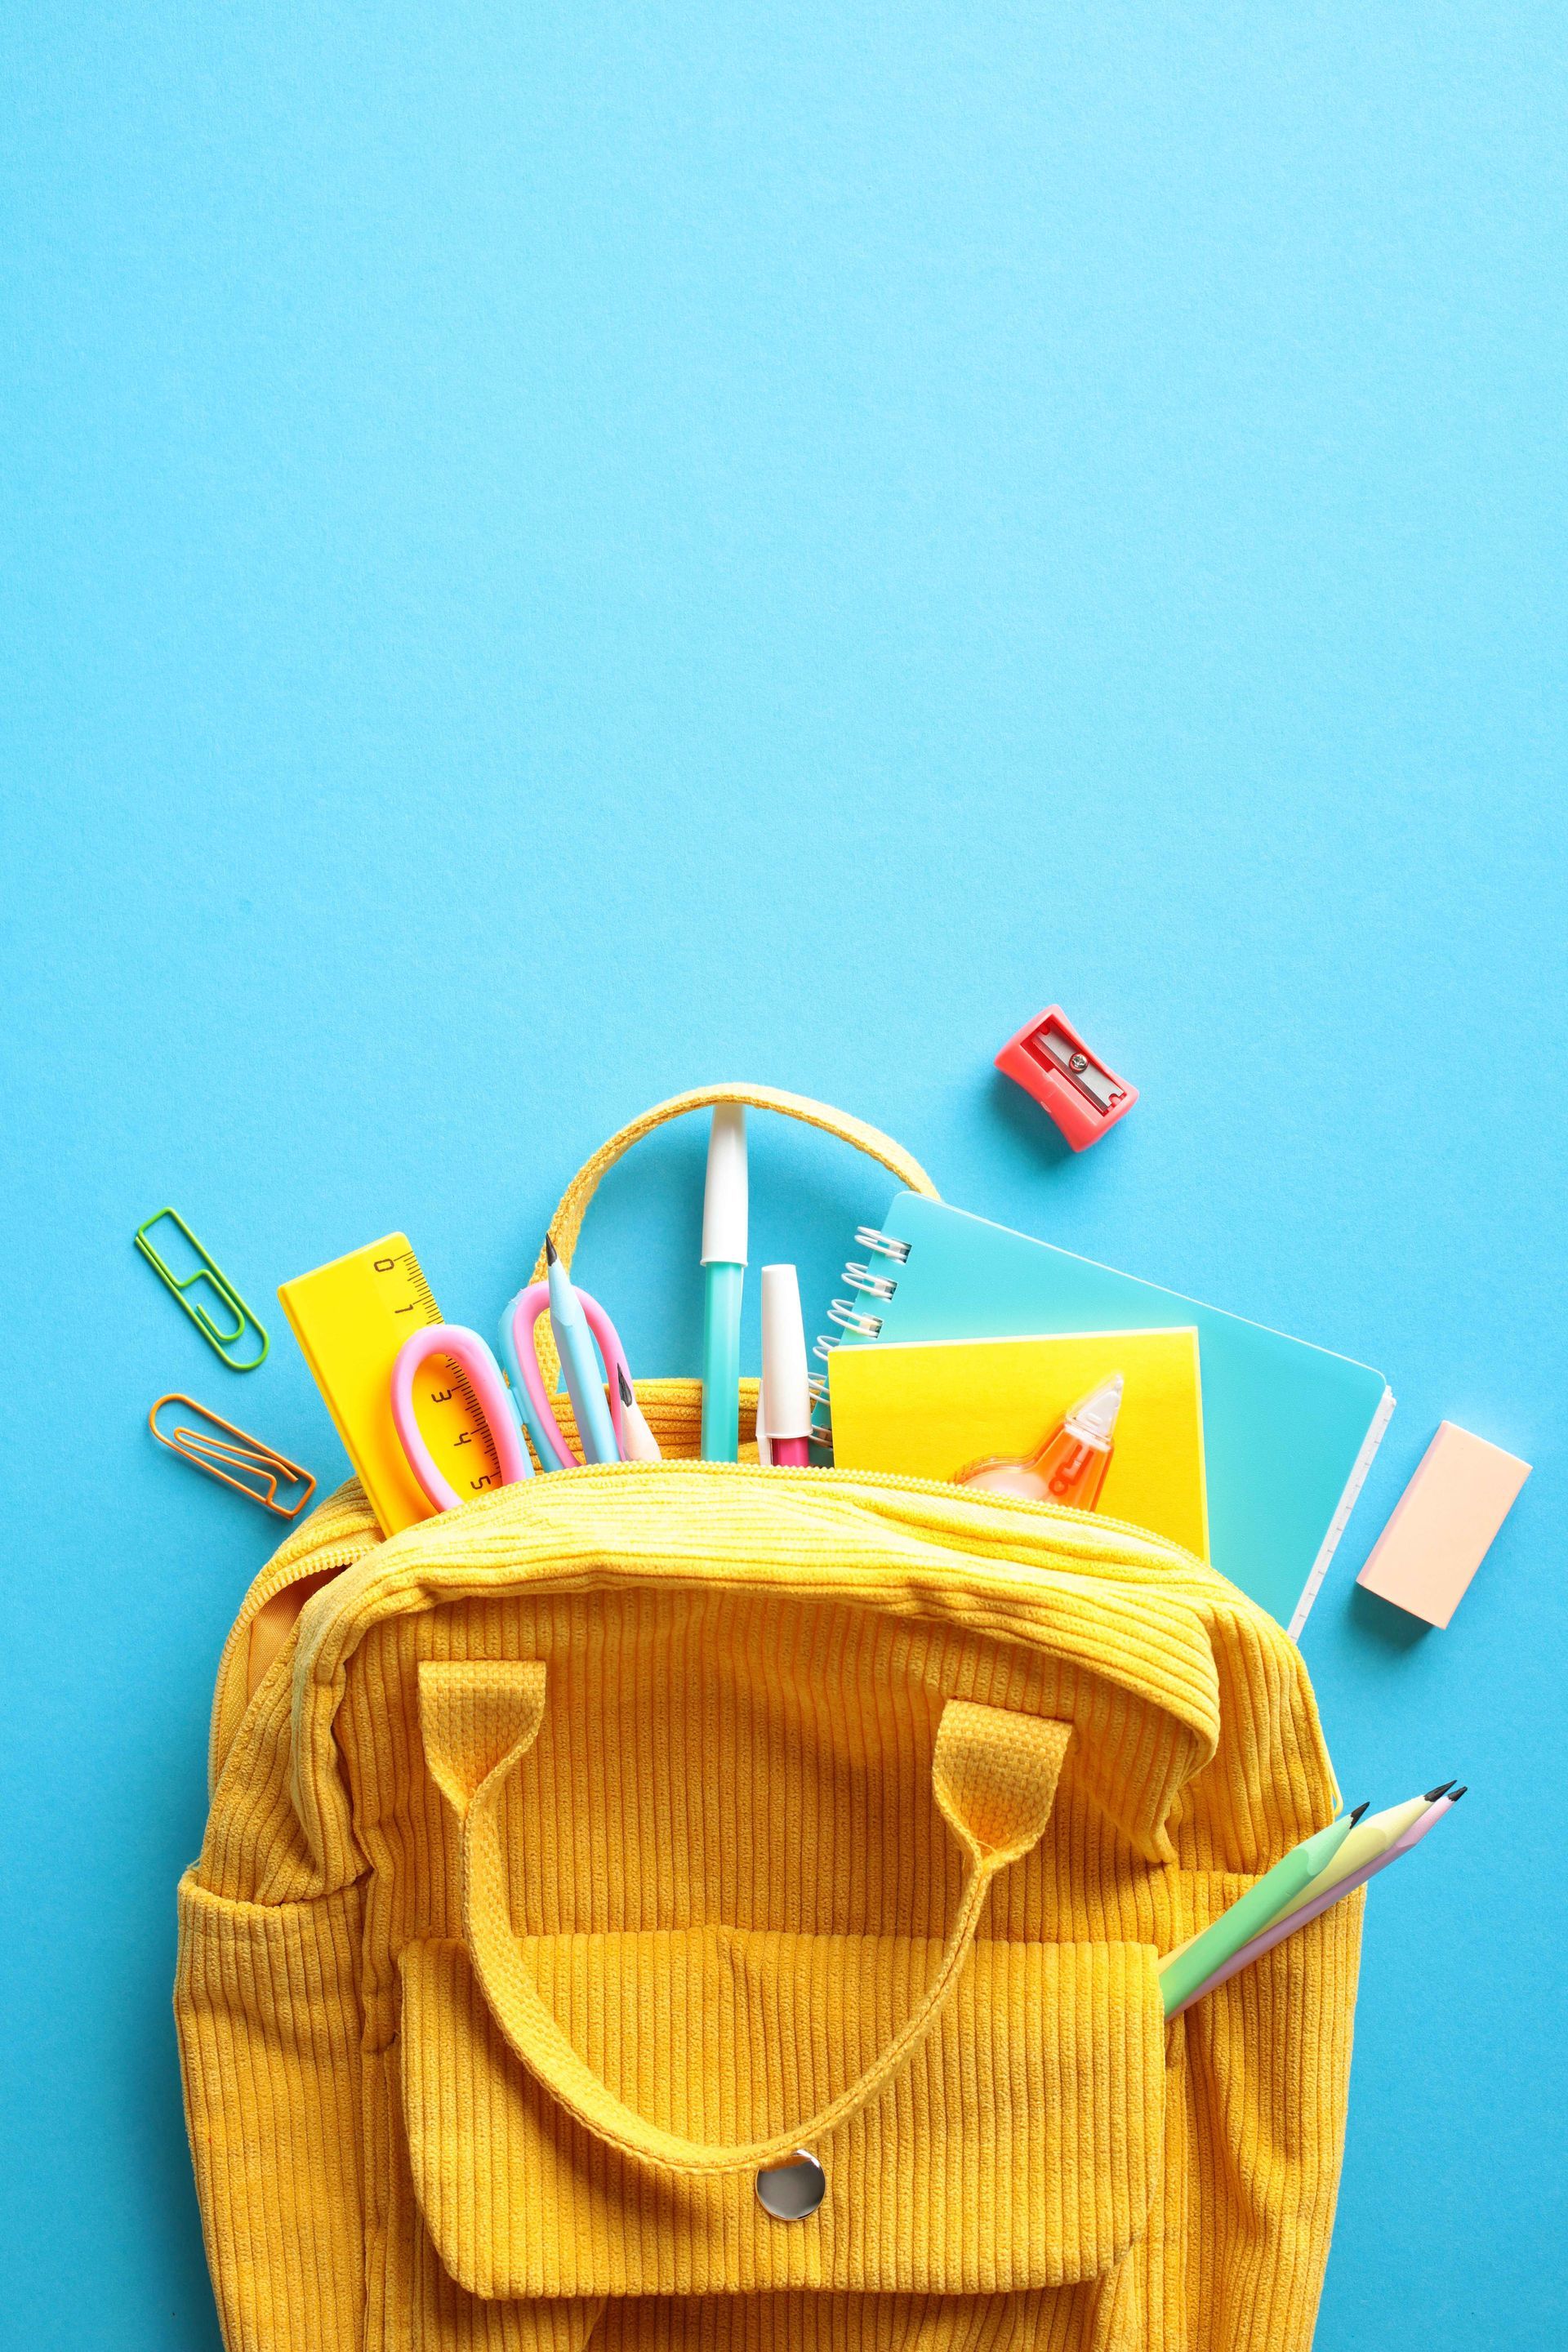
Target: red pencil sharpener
column 1051, row 1061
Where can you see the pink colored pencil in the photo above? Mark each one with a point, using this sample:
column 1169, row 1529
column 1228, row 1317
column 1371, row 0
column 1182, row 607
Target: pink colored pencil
column 639, row 1442
column 1310, row 1911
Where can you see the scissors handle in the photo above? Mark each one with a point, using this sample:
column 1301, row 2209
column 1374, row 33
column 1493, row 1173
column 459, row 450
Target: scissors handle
column 469, row 1351
column 527, row 1381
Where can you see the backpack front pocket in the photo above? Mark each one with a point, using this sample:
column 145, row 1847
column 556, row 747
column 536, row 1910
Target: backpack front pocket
column 1018, row 2148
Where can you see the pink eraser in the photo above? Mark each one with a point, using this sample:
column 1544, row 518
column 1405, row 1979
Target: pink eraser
column 1443, row 1525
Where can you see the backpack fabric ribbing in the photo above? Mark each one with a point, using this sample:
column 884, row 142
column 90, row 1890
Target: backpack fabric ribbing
column 587, row 1843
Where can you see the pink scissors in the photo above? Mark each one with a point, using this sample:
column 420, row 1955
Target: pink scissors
column 528, row 1383
column 482, row 1373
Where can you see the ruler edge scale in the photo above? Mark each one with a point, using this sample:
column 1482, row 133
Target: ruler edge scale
column 396, row 1244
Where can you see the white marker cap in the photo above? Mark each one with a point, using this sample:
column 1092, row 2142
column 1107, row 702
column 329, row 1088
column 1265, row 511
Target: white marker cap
column 724, row 1195
column 785, row 1400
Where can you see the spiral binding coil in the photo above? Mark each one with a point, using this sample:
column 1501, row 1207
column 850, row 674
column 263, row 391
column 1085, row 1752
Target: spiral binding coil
column 871, row 1237
column 852, row 1319
column 865, row 1282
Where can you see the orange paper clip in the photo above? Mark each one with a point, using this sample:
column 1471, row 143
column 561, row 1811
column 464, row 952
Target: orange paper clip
column 221, row 1456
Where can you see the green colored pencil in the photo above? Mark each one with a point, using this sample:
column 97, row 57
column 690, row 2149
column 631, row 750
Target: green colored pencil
column 1186, row 1970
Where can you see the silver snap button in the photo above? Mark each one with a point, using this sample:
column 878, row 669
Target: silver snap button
column 790, row 2191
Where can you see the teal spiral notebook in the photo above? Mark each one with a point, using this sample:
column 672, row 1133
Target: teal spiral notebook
column 1290, row 1430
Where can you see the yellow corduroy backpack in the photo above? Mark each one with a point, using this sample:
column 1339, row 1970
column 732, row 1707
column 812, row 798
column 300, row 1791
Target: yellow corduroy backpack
column 587, row 1857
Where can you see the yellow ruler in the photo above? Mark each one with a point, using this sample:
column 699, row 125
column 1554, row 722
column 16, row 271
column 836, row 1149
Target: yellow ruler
column 351, row 1318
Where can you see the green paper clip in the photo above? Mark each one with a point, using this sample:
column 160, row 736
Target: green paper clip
column 221, row 1341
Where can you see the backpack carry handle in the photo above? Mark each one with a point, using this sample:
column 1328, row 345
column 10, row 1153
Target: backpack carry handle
column 994, row 1775
column 567, row 1222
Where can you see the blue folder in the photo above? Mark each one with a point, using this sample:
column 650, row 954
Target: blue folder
column 1290, row 1430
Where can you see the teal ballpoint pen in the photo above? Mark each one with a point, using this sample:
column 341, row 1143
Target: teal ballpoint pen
column 579, row 1362
column 1185, row 1971
column 724, row 1208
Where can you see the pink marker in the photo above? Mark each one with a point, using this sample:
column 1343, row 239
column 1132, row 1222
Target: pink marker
column 783, row 1400
column 1310, row 1911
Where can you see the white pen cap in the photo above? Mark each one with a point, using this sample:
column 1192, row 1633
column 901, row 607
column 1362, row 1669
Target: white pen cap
column 785, row 1402
column 724, row 1195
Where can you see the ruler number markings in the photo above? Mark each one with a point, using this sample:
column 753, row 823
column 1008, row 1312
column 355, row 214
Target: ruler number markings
column 458, row 1389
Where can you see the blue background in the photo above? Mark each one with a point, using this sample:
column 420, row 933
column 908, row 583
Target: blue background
column 552, row 555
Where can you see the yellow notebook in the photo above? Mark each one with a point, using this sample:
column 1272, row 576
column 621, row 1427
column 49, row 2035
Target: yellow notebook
column 926, row 1408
